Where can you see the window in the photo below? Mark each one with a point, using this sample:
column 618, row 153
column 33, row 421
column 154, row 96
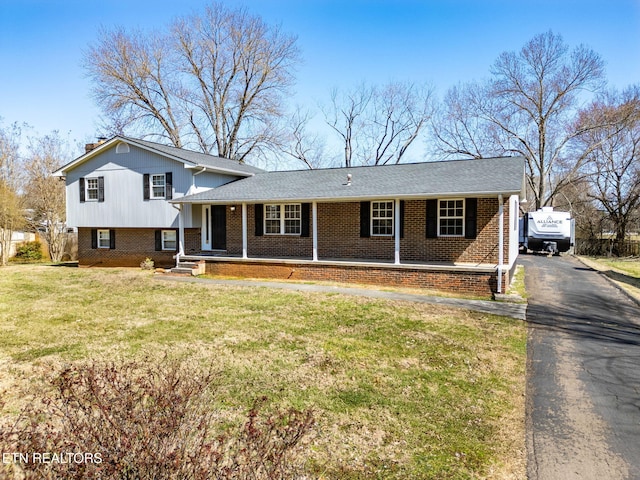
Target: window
column 382, row 218
column 122, row 148
column 104, row 239
column 283, row 219
column 169, row 240
column 92, row 189
column 451, row 218
column 158, row 185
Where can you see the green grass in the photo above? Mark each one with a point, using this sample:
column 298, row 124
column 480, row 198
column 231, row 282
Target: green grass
column 399, row 390
column 630, row 266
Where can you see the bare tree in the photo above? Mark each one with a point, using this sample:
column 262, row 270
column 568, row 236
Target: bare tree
column 45, row 194
column 399, row 112
column 613, row 165
column 11, row 210
column 302, row 143
column 216, row 80
column 527, row 108
column 345, row 117
column 377, row 125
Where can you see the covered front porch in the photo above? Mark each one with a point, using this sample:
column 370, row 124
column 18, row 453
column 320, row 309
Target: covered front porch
column 330, row 246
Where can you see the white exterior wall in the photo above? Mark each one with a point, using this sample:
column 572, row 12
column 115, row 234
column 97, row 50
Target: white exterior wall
column 124, row 205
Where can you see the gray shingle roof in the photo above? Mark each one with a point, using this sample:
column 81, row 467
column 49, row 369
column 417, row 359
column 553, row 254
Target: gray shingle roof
column 187, row 156
column 490, row 176
column 197, row 158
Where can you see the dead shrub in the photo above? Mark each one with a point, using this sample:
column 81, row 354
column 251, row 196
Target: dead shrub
column 147, row 420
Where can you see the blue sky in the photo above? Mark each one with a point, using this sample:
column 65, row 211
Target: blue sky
column 343, row 43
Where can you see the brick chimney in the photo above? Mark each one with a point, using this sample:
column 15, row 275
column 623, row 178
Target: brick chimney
column 90, row 146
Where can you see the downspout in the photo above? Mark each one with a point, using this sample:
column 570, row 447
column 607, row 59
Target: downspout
column 180, row 233
column 500, row 240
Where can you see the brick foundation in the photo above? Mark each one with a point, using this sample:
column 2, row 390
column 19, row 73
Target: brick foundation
column 132, row 246
column 482, row 283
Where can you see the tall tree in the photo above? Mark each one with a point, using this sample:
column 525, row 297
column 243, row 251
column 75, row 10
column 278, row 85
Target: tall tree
column 528, row 108
column 377, row 125
column 613, row 154
column 216, row 80
column 45, row 194
column 11, row 210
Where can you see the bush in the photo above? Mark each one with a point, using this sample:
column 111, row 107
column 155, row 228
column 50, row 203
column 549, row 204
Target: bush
column 29, row 251
column 147, row 264
column 142, row 421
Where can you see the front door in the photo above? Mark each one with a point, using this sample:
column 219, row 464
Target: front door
column 219, row 227
column 214, row 227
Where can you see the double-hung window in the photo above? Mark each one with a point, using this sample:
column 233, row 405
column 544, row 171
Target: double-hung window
column 169, row 240
column 158, row 185
column 283, row 219
column 104, row 239
column 92, row 189
column 382, row 218
column 451, row 218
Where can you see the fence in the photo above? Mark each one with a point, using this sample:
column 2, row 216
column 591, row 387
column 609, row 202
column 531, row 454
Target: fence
column 606, row 247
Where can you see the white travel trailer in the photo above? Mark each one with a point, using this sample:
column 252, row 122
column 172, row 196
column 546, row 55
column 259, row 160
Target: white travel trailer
column 546, row 230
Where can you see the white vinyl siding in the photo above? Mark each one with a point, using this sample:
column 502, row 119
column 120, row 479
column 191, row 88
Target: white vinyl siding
column 124, row 205
column 451, row 218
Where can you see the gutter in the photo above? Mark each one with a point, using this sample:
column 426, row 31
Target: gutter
column 416, row 196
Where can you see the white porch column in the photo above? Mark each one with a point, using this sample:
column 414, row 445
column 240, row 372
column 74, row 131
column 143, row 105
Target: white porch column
column 396, row 226
column 244, row 230
column 500, row 240
column 181, row 208
column 314, row 229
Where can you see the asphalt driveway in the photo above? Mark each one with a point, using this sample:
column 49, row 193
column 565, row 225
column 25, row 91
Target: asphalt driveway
column 583, row 385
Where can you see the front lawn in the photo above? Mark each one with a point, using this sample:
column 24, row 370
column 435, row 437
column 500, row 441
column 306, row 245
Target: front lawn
column 399, row 390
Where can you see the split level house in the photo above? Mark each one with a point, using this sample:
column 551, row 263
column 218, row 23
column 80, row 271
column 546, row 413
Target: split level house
column 450, row 225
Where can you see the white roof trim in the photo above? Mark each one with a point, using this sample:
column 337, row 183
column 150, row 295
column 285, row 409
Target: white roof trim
column 61, row 172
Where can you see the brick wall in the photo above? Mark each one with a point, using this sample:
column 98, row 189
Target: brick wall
column 476, row 283
column 132, row 246
column 339, row 237
column 278, row 246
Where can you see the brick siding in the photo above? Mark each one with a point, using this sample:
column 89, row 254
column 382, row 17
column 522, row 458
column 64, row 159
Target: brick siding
column 339, row 237
column 460, row 281
column 132, row 246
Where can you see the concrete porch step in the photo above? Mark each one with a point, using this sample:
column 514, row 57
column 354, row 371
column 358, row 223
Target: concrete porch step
column 189, row 268
column 182, row 271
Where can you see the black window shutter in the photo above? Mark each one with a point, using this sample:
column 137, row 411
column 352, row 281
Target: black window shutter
column 158, row 240
column 168, row 183
column 305, row 209
column 259, row 217
column 365, row 219
column 177, row 240
column 82, row 192
column 432, row 218
column 471, row 218
column 94, row 238
column 112, row 239
column 401, row 219
column 145, row 186
column 101, row 189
